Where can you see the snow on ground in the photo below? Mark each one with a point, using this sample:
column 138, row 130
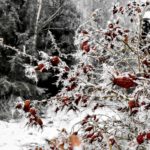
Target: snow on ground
column 147, row 14
column 15, row 136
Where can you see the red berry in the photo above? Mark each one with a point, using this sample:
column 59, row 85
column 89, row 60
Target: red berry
column 83, row 122
column 121, row 9
column 89, row 128
column 146, row 75
column 44, row 70
column 33, row 111
column 84, row 32
column 138, row 9
column 39, row 67
column 65, row 100
column 87, row 68
column 115, row 11
column 114, row 35
column 89, row 135
column 108, row 33
column 72, row 79
column 55, row 60
column 73, row 85
column 39, row 121
column 110, row 25
column 143, row 103
column 18, row 106
column 66, row 68
column 148, row 136
column 84, row 99
column 146, row 62
column 124, row 82
column 140, row 138
column 85, row 46
column 129, row 4
column 133, row 104
column 112, row 141
column 126, row 31
column 26, row 107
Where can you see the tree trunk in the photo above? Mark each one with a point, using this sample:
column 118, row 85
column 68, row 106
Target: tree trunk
column 39, row 5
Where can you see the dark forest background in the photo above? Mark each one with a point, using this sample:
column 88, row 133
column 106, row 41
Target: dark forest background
column 23, row 36
column 56, row 27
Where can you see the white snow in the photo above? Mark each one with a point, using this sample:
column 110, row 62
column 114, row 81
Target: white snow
column 15, row 136
column 147, row 14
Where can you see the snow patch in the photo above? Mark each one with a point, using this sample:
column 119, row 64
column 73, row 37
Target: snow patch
column 147, row 15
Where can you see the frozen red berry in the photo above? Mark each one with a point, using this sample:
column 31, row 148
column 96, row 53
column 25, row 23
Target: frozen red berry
column 85, row 46
column 55, row 60
column 133, row 104
column 140, row 138
column 148, row 136
column 124, row 82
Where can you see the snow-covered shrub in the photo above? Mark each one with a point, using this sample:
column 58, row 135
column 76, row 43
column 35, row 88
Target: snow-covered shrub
column 30, row 73
column 112, row 79
column 110, row 82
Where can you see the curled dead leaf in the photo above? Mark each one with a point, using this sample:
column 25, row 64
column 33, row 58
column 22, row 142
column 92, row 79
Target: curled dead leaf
column 74, row 141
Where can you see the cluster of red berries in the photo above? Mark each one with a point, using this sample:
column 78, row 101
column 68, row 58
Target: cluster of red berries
column 72, row 102
column 34, row 119
column 85, row 46
column 142, row 137
column 38, row 148
column 89, row 129
column 114, row 31
column 118, row 10
column 55, row 60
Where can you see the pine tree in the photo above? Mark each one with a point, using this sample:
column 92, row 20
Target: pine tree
column 26, row 33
